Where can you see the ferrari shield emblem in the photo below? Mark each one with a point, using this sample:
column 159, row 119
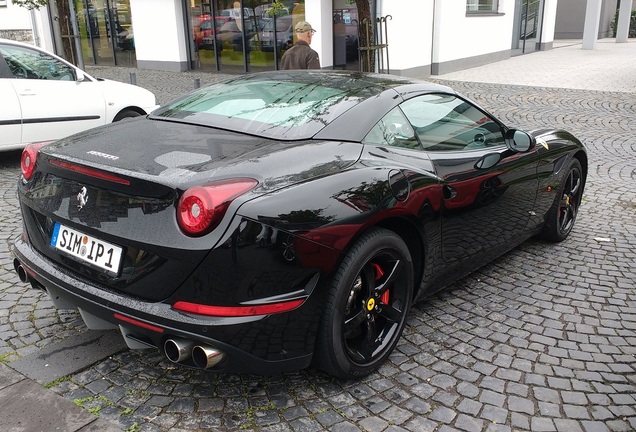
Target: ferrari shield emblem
column 370, row 304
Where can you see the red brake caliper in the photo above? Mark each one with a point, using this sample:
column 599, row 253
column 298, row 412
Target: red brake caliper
column 378, row 275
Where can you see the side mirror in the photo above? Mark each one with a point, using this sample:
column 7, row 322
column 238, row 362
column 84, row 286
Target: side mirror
column 519, row 141
column 79, row 75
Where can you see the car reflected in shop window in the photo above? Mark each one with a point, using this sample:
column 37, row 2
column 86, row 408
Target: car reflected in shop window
column 205, row 31
column 235, row 14
column 230, row 36
column 264, row 40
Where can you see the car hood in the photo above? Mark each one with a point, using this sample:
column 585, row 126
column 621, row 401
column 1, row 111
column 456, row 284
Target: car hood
column 180, row 155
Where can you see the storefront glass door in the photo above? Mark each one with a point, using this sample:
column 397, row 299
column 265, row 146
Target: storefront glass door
column 527, row 26
column 204, row 29
column 106, row 32
column 345, row 35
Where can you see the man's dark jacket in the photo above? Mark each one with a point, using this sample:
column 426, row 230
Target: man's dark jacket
column 300, row 56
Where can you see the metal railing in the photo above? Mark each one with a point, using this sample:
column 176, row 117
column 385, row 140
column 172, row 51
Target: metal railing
column 377, row 51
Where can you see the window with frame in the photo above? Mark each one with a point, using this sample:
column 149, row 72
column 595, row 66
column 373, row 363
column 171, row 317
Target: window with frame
column 444, row 122
column 481, row 6
column 393, row 130
column 26, row 63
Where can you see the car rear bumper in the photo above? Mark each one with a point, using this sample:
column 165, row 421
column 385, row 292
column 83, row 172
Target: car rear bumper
column 150, row 324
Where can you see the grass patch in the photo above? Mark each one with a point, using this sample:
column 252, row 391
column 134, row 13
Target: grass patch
column 126, row 411
column 252, row 411
column 133, row 428
column 4, row 358
column 81, row 402
column 105, row 401
column 57, row 382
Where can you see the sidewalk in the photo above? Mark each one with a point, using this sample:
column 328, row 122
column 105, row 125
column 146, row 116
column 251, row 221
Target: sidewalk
column 28, row 407
column 611, row 67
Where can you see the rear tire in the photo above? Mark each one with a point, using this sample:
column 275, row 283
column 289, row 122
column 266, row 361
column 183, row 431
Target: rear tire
column 127, row 113
column 562, row 215
column 366, row 307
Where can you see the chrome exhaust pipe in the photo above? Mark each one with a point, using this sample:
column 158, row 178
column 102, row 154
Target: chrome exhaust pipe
column 178, row 350
column 21, row 271
column 205, row 357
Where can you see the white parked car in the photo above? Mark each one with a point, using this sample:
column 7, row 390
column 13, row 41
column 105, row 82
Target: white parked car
column 45, row 98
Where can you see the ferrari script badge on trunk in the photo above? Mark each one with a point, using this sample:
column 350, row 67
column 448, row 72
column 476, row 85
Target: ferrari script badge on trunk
column 82, row 197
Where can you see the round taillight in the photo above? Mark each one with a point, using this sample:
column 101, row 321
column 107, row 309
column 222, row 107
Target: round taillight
column 29, row 158
column 201, row 208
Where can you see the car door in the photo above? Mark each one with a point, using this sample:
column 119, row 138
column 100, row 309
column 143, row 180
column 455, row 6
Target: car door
column 10, row 114
column 53, row 103
column 488, row 190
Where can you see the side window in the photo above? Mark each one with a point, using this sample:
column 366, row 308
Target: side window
column 393, row 130
column 445, row 122
column 31, row 64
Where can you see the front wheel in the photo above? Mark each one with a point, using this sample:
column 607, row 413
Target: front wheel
column 562, row 215
column 366, row 307
column 127, row 113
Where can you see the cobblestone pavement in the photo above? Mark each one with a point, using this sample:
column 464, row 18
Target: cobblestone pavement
column 543, row 339
column 165, row 85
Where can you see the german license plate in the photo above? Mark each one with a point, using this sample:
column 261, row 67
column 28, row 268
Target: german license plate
column 86, row 248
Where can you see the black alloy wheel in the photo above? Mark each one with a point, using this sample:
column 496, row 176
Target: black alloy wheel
column 562, row 215
column 367, row 306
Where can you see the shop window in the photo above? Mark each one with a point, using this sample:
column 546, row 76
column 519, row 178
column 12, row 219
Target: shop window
column 482, row 6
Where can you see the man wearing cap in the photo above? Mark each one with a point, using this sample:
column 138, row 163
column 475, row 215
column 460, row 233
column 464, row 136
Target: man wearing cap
column 301, row 56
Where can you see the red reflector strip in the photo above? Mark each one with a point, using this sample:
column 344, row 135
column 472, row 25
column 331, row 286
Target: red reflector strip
column 237, row 311
column 90, row 172
column 138, row 323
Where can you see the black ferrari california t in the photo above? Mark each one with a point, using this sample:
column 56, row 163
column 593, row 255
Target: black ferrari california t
column 274, row 220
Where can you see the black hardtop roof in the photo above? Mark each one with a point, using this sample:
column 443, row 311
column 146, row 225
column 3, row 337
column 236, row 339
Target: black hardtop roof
column 342, row 78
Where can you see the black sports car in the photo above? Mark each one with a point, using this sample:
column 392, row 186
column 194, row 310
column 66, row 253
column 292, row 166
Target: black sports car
column 276, row 219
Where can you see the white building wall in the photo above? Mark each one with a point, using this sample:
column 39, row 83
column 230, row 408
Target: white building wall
column 159, row 34
column 410, row 35
column 549, row 24
column 22, row 24
column 320, row 15
column 43, row 31
column 14, row 17
column 462, row 41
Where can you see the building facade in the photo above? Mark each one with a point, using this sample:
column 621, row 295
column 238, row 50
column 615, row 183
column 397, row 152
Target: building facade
column 415, row 38
column 570, row 18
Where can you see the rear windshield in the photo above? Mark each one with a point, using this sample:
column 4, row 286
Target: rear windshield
column 290, row 105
